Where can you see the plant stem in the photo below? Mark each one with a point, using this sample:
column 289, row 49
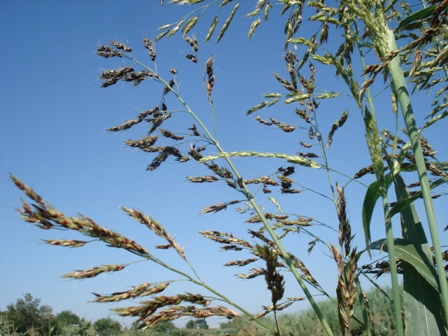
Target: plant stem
column 414, row 136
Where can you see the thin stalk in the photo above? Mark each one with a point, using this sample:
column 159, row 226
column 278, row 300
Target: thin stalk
column 414, row 136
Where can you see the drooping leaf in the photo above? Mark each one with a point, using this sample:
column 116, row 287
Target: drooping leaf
column 368, row 206
column 401, row 204
column 421, row 301
column 419, row 15
column 408, row 252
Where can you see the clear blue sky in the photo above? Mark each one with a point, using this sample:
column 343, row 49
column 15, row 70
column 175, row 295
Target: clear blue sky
column 54, row 118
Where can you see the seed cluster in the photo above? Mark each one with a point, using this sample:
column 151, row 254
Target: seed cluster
column 155, row 227
column 144, row 289
column 46, row 217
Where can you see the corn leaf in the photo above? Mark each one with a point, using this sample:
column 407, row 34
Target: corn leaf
column 414, row 256
column 421, row 301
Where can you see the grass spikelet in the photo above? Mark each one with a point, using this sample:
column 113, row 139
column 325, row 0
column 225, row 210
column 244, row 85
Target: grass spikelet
column 210, row 75
column 345, row 232
column 298, row 97
column 226, row 238
column 253, row 27
column 308, row 155
column 289, row 158
column 106, row 52
column 217, row 207
column 254, row 272
column 47, row 217
column 257, row 107
column 212, row 28
column 374, row 144
column 416, row 63
column 149, row 45
column 265, row 180
column 306, row 274
column 65, row 242
column 28, row 191
column 143, row 143
column 224, row 2
column 201, row 179
column 93, row 272
column 240, row 263
column 190, row 24
column 227, row 22
column 192, row 41
column 155, row 227
column 170, row 134
column 259, row 6
column 286, row 128
column 262, row 121
column 128, row 124
column 176, row 312
column 113, row 76
column 273, row 278
column 144, row 289
column 121, row 46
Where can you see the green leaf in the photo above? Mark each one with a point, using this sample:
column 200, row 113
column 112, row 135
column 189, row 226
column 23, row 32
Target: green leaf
column 408, row 252
column 401, row 204
column 421, row 14
column 421, row 301
column 370, row 199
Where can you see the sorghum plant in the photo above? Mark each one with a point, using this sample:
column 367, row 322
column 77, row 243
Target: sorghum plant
column 421, row 304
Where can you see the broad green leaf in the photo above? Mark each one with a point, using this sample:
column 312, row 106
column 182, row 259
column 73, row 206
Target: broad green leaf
column 421, row 14
column 368, row 206
column 408, row 252
column 421, row 301
column 401, row 204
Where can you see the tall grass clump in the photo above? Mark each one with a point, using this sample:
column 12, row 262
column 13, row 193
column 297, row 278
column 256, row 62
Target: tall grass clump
column 390, row 45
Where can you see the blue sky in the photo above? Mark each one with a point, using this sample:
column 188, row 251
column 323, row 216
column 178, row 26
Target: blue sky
column 54, row 117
